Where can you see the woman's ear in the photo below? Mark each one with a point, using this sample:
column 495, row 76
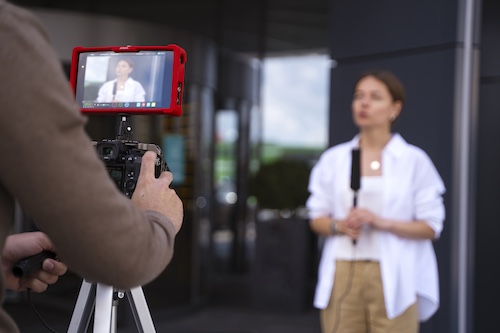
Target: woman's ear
column 396, row 110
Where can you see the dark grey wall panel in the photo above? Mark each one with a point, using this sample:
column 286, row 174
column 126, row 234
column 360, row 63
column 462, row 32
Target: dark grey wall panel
column 426, row 121
column 490, row 45
column 487, row 271
column 238, row 77
column 359, row 28
column 487, row 226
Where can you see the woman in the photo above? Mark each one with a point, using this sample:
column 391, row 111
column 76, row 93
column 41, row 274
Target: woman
column 123, row 88
column 378, row 270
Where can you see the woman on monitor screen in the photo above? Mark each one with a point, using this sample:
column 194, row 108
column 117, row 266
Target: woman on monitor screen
column 123, row 88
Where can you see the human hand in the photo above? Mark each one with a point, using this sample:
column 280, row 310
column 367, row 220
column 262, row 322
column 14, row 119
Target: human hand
column 23, row 245
column 361, row 216
column 356, row 219
column 348, row 229
column 153, row 193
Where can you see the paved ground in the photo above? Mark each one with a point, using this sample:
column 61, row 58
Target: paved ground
column 228, row 312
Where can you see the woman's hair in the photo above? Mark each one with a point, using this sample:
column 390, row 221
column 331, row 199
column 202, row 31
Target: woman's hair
column 391, row 81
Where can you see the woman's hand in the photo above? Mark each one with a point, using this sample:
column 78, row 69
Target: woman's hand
column 23, row 245
column 359, row 217
column 415, row 229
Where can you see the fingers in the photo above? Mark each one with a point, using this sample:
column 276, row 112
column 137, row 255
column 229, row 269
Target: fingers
column 153, row 193
column 45, row 242
column 351, row 232
column 351, row 228
column 34, row 285
column 358, row 217
column 167, row 176
column 148, row 165
column 40, row 281
column 54, row 267
column 148, row 168
column 354, row 233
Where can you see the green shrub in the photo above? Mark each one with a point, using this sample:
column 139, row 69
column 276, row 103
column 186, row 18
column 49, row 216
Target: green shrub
column 281, row 184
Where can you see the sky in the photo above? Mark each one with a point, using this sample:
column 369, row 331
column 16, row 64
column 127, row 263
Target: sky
column 295, row 100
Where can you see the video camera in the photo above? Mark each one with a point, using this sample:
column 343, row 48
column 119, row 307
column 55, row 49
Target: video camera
column 128, row 80
column 123, row 159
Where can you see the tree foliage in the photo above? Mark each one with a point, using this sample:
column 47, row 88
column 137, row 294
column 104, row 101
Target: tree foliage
column 281, row 184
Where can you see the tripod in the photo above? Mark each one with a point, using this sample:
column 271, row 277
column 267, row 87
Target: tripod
column 105, row 300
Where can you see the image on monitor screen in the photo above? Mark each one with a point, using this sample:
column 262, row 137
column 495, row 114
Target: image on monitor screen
column 130, row 80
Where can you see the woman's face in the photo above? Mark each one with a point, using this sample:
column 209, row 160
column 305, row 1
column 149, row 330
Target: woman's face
column 372, row 104
column 123, row 68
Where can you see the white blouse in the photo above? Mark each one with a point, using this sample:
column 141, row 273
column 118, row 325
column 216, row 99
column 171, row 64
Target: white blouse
column 412, row 189
column 131, row 92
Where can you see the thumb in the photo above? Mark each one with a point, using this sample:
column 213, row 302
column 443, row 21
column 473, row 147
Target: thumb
column 148, row 165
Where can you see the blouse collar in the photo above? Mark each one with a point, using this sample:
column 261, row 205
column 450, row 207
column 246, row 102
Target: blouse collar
column 395, row 147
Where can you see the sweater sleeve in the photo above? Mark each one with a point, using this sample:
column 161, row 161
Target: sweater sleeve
column 52, row 169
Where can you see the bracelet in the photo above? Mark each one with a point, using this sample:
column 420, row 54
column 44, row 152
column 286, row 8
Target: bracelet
column 333, row 227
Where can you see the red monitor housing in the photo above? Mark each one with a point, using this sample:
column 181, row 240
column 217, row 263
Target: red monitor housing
column 129, row 80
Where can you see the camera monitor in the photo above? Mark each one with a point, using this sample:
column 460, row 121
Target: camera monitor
column 131, row 80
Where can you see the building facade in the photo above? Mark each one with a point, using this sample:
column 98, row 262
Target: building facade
column 444, row 51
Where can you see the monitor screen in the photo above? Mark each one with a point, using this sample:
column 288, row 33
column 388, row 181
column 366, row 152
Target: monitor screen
column 142, row 80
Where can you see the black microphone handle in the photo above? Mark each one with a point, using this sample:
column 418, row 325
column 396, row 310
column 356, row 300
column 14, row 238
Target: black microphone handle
column 31, row 264
column 355, row 176
column 356, row 169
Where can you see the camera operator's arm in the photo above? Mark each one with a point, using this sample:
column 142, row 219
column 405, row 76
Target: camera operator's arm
column 53, row 171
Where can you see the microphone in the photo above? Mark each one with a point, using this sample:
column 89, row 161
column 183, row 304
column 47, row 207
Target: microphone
column 355, row 177
column 355, row 174
column 31, row 264
column 114, row 89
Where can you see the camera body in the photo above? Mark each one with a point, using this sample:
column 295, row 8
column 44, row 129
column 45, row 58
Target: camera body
column 123, row 161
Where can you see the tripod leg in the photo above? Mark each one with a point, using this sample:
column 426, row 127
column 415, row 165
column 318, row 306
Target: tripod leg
column 83, row 308
column 103, row 309
column 140, row 311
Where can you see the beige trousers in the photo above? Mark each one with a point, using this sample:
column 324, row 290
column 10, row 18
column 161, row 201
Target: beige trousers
column 357, row 303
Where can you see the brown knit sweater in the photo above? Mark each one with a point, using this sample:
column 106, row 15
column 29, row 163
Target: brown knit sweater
column 49, row 166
